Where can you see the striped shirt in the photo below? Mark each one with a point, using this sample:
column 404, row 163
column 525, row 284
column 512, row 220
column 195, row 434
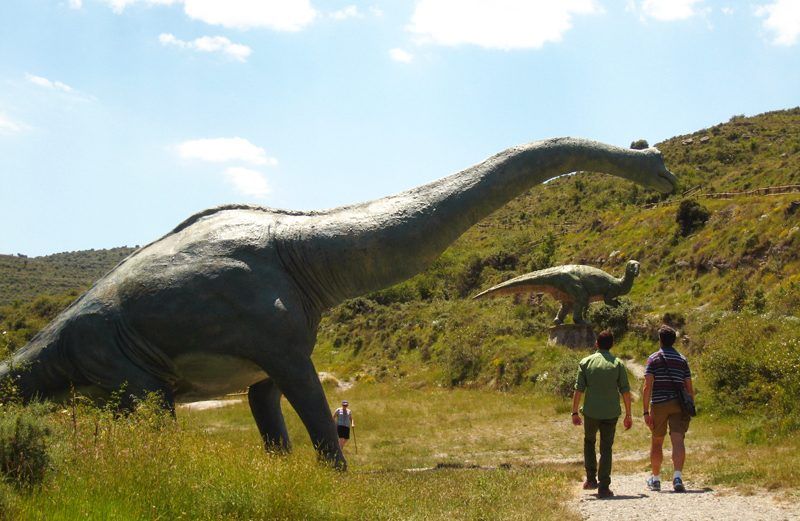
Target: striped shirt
column 667, row 377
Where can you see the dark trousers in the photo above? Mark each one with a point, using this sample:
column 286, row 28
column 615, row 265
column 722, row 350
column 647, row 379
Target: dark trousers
column 607, row 430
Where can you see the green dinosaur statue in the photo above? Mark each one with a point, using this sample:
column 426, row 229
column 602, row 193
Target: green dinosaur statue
column 232, row 297
column 574, row 285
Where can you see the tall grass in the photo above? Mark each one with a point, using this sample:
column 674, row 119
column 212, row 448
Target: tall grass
column 205, row 466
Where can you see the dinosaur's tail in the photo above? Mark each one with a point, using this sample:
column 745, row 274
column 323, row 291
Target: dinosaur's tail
column 35, row 371
column 528, row 283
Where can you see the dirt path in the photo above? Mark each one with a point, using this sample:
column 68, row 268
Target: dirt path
column 633, row 501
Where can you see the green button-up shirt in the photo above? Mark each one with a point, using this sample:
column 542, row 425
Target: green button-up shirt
column 602, row 376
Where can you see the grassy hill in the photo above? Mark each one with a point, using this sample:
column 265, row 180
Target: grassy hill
column 730, row 279
column 24, row 278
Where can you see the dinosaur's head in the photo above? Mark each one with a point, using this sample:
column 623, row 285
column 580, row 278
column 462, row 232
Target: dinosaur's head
column 632, row 268
column 646, row 167
column 653, row 173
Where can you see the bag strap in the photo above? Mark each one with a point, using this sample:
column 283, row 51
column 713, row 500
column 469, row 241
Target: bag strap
column 669, row 374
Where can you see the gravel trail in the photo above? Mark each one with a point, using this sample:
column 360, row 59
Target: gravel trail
column 633, row 501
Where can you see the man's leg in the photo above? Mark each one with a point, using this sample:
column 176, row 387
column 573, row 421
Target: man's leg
column 678, row 450
column 608, row 429
column 656, row 454
column 590, row 428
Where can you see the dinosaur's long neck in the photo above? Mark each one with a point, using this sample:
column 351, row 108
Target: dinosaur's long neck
column 626, row 283
column 354, row 250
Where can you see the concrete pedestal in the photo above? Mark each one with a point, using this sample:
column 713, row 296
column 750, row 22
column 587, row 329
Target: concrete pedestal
column 576, row 336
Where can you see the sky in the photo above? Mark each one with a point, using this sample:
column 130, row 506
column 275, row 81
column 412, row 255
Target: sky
column 120, row 118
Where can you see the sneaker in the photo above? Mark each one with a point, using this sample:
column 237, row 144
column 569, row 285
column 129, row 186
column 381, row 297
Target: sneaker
column 589, row 484
column 604, row 493
column 653, row 484
column 677, row 485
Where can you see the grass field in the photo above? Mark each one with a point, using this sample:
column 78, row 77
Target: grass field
column 422, row 454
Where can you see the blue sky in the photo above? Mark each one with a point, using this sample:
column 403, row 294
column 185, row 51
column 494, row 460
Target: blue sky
column 119, row 118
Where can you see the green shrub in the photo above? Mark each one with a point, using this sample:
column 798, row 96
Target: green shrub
column 23, row 448
column 461, row 359
column 467, row 280
column 691, row 216
column 751, row 363
column 615, row 318
column 560, row 379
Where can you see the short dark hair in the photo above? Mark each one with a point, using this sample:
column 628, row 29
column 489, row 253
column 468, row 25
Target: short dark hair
column 666, row 335
column 605, row 340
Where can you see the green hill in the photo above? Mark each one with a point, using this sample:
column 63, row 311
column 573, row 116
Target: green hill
column 24, row 278
column 729, row 279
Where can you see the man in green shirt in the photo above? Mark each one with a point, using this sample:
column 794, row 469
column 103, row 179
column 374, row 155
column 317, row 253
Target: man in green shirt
column 602, row 377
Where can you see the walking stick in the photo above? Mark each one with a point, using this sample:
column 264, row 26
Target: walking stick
column 355, row 442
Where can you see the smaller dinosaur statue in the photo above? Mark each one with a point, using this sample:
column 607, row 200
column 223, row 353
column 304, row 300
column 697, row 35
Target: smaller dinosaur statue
column 574, row 285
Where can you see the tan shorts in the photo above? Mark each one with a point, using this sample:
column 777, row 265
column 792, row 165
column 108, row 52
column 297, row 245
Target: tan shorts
column 669, row 413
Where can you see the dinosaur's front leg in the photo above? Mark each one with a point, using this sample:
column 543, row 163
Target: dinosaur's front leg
column 298, row 381
column 265, row 404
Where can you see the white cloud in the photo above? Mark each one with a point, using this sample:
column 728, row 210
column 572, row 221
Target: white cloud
column 399, row 55
column 8, row 126
column 670, row 10
column 782, row 20
column 376, row 11
column 224, row 150
column 248, row 182
column 727, row 10
column 48, row 84
column 501, row 24
column 75, row 4
column 209, row 44
column 280, row 15
column 351, row 11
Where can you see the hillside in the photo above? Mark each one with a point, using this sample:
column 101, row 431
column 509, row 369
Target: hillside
column 729, row 280
column 23, row 278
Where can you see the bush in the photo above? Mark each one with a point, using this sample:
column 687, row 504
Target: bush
column 468, row 279
column 23, row 449
column 560, row 380
column 461, row 358
column 640, row 144
column 615, row 318
column 691, row 216
column 545, row 253
column 751, row 362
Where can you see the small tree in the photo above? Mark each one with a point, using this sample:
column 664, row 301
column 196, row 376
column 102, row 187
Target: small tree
column 640, row 144
column 691, row 216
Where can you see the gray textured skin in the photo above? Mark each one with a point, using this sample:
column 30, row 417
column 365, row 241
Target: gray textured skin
column 574, row 285
column 232, row 297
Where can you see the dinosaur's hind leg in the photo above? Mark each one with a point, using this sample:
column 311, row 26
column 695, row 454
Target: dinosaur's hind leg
column 298, row 381
column 579, row 311
column 563, row 311
column 265, row 404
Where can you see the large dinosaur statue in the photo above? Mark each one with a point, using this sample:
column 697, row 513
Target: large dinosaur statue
column 575, row 286
column 232, row 297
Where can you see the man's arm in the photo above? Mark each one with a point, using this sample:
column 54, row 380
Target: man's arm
column 626, row 399
column 689, row 387
column 576, row 404
column 646, row 394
